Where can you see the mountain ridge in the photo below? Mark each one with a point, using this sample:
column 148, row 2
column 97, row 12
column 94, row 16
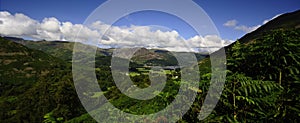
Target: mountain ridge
column 64, row 50
column 289, row 20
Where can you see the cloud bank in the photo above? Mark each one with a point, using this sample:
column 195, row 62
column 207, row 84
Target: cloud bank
column 20, row 25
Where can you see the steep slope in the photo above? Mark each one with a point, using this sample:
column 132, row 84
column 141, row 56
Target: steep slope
column 21, row 65
column 33, row 83
column 270, row 54
column 282, row 32
column 284, row 21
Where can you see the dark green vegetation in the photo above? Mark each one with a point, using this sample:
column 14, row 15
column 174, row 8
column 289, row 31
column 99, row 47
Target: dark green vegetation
column 34, row 84
column 262, row 83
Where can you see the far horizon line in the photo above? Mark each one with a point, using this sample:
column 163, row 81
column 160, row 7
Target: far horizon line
column 19, row 39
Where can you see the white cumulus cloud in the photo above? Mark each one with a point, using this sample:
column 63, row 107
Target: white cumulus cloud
column 50, row 24
column 20, row 25
column 231, row 23
column 49, row 29
column 246, row 28
column 146, row 36
column 234, row 24
column 17, row 25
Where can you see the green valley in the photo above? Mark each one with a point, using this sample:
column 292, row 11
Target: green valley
column 262, row 82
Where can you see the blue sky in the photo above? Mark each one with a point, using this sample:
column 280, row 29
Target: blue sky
column 248, row 13
column 59, row 20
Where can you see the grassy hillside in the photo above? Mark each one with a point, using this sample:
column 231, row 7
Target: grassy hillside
column 21, row 65
column 33, row 84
